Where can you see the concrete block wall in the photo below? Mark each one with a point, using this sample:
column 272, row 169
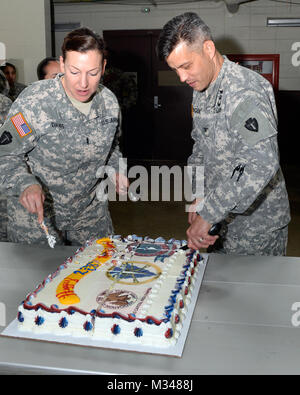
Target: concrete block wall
column 242, row 32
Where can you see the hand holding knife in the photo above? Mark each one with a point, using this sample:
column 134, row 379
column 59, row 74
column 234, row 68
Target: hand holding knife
column 214, row 231
column 201, row 234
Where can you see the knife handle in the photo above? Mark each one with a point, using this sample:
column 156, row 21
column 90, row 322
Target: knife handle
column 215, row 229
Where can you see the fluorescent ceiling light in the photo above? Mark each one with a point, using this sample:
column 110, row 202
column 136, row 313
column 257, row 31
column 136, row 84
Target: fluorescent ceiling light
column 283, row 22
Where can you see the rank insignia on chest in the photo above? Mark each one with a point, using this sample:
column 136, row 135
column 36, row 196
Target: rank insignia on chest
column 21, row 125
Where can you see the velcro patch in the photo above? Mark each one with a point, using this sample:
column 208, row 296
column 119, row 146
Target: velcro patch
column 252, row 123
column 21, row 125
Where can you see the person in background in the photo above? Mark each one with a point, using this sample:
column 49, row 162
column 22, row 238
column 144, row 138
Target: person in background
column 122, row 84
column 5, row 104
column 235, row 135
column 48, row 68
column 69, row 128
column 15, row 88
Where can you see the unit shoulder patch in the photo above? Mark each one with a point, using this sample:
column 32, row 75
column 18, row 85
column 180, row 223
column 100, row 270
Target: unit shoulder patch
column 13, row 132
column 5, row 138
column 252, row 123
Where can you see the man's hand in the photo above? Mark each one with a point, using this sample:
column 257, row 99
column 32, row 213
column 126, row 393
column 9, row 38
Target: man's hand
column 32, row 198
column 197, row 234
column 193, row 208
column 121, row 182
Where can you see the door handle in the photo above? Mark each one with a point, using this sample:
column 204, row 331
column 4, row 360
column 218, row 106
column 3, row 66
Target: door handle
column 155, row 102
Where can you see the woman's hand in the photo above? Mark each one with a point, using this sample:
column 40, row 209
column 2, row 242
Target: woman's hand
column 32, row 198
column 121, row 182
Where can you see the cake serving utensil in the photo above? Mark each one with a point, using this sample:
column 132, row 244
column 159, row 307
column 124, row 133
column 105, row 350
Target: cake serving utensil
column 51, row 239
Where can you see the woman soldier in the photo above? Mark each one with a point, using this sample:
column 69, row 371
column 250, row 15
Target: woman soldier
column 66, row 128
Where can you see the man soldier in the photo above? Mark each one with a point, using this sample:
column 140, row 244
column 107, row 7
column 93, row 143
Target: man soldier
column 47, row 68
column 235, row 134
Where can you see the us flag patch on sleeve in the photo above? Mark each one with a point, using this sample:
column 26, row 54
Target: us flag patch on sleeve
column 21, row 125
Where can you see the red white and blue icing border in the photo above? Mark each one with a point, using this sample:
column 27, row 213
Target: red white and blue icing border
column 115, row 326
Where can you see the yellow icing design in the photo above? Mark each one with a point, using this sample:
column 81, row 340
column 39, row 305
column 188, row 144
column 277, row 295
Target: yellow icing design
column 65, row 290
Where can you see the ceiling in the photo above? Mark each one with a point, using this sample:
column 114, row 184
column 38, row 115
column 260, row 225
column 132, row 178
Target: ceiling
column 232, row 5
column 153, row 2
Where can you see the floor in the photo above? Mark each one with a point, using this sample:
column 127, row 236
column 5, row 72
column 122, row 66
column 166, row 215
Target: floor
column 169, row 219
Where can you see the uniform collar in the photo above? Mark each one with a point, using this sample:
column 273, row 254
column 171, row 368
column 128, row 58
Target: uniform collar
column 66, row 109
column 212, row 92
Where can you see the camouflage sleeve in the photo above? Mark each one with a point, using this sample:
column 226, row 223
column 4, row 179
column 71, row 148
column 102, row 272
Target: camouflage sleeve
column 115, row 153
column 17, row 137
column 195, row 163
column 196, row 158
column 5, row 104
column 256, row 161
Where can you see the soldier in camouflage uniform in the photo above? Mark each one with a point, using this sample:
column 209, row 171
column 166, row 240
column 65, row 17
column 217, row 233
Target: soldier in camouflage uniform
column 5, row 104
column 68, row 128
column 15, row 88
column 4, row 85
column 235, row 134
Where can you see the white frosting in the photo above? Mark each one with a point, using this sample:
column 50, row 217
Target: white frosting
column 151, row 292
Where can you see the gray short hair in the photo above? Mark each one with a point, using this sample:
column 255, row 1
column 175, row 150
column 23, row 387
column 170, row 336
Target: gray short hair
column 187, row 27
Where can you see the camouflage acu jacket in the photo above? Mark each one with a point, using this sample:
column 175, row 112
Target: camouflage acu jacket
column 63, row 146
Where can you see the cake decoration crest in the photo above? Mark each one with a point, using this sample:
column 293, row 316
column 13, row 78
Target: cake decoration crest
column 140, row 298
